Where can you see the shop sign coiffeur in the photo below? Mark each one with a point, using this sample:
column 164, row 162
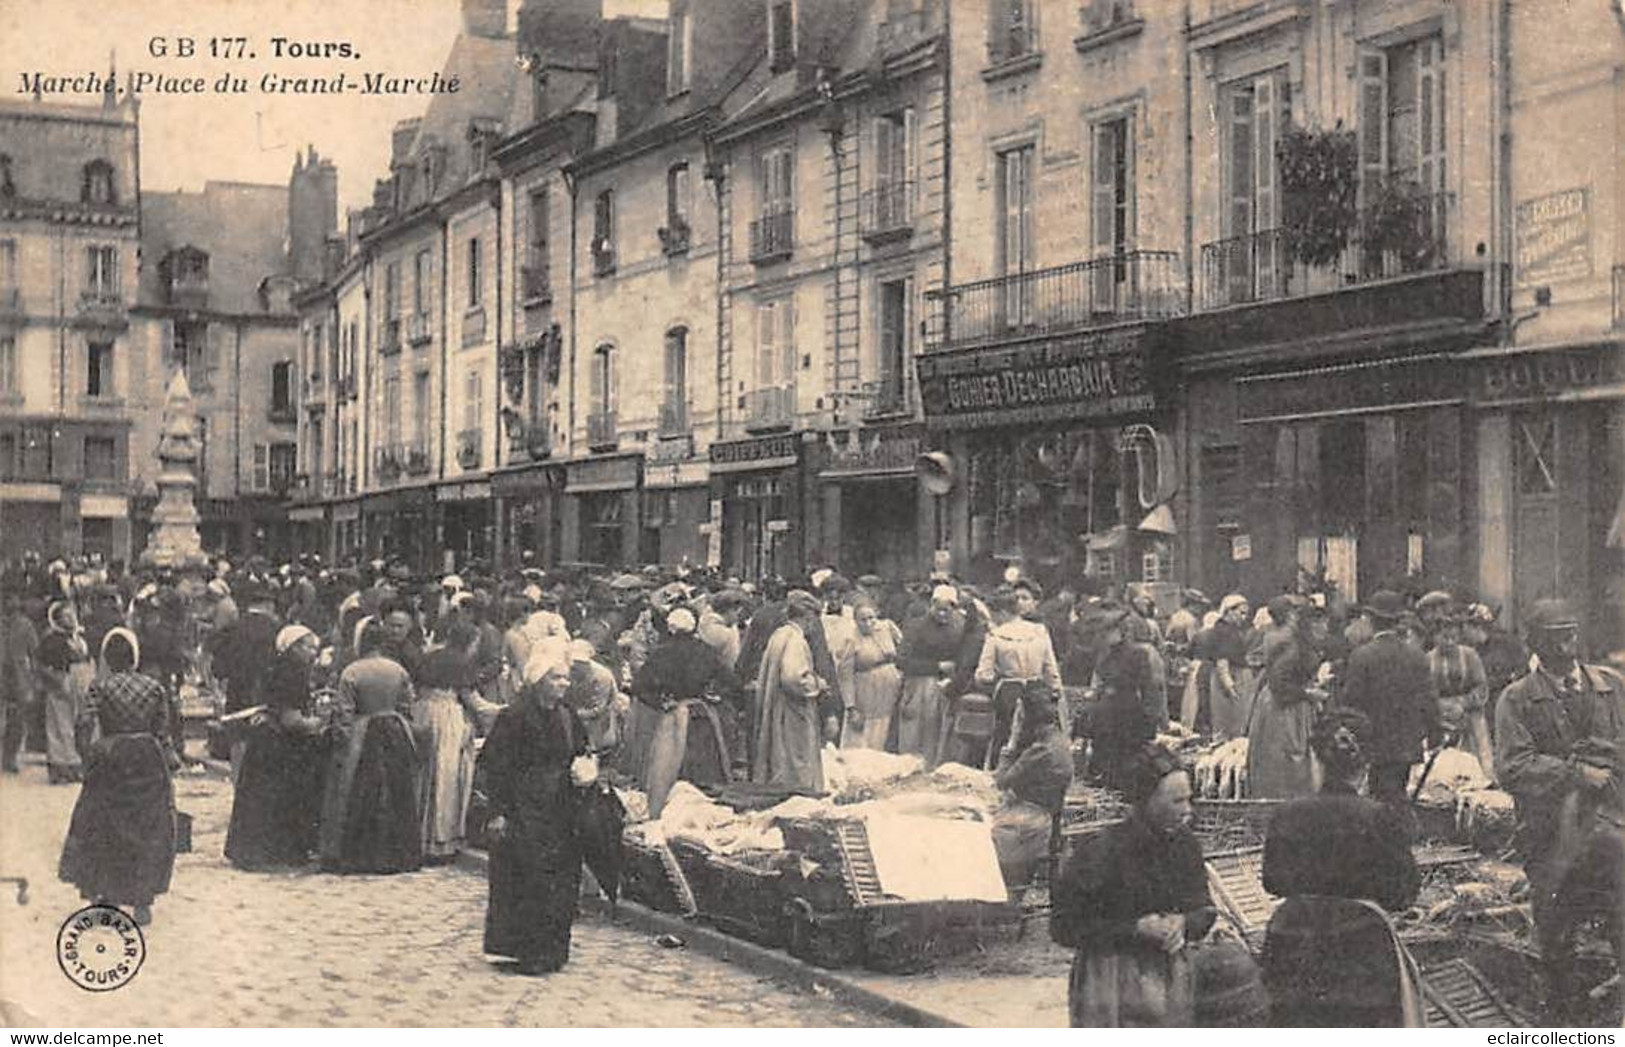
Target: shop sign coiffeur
column 1087, row 376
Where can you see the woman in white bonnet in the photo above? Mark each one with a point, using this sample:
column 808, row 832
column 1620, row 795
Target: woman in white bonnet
column 677, row 689
column 531, row 774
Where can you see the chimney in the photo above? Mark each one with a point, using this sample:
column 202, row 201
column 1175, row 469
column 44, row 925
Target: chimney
column 487, row 18
column 313, row 209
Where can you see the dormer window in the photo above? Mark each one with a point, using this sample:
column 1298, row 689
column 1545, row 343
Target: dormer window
column 482, row 134
column 781, row 34
column 678, row 47
column 98, row 183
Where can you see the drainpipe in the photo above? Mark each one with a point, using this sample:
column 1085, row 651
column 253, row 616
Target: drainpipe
column 570, row 433
column 1503, row 178
column 493, row 529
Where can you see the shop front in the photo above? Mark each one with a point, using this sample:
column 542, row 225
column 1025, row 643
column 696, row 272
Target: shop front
column 400, row 525
column 309, row 529
column 467, row 523
column 346, row 538
column 1350, row 470
column 530, row 514
column 873, row 505
column 758, row 481
column 601, row 511
column 1054, row 459
column 676, row 512
column 1550, row 432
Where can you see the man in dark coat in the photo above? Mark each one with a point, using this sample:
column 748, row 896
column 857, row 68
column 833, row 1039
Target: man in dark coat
column 1391, row 683
column 1559, row 734
column 244, row 652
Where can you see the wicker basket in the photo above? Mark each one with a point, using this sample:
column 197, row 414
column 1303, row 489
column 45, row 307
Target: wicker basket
column 1231, row 825
column 651, row 876
column 742, row 895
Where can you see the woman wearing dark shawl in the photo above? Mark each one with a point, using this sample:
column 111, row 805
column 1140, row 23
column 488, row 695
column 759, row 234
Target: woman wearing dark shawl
column 120, row 847
column 276, row 805
column 66, row 671
column 1342, row 862
column 531, row 777
column 677, row 690
column 1130, row 899
column 372, row 818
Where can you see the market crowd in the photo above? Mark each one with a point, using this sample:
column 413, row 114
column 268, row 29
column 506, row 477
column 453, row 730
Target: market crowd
column 376, row 721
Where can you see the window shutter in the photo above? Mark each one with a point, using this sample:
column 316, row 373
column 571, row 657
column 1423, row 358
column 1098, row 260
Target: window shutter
column 767, row 336
column 787, row 341
column 911, row 155
column 261, row 467
column 1373, row 121
column 1430, row 105
column 1265, row 218
column 885, row 144
column 1103, row 214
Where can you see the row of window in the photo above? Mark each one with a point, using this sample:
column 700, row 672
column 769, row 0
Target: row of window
column 97, row 182
column 30, row 454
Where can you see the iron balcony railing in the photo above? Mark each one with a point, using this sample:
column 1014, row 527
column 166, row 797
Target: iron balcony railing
column 674, row 419
column 386, row 462
column 536, row 284
column 417, row 329
column 1135, row 285
column 474, row 326
column 772, row 236
column 389, row 336
column 773, row 407
column 601, row 431
column 1619, row 297
column 468, row 448
column 414, row 457
column 1402, row 235
column 888, row 209
column 189, row 289
column 887, row 397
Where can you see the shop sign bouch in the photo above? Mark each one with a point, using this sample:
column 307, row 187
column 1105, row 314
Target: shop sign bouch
column 1549, row 375
column 1094, row 375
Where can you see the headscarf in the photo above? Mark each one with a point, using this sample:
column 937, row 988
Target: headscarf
column 290, row 635
column 945, row 594
column 129, row 638
column 800, row 601
column 1230, row 603
column 554, row 652
column 680, row 622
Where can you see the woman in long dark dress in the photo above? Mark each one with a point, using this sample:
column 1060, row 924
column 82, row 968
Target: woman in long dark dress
column 120, row 847
column 1130, row 899
column 274, row 810
column 532, row 783
column 372, row 817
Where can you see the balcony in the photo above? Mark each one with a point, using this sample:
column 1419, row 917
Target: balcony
column 304, row 487
column 1011, row 48
column 603, row 258
column 387, row 464
column 1619, row 297
column 1404, row 236
column 189, row 290
column 1137, row 285
column 474, row 326
column 535, row 285
column 418, row 331
column 772, row 236
column 674, row 238
column 281, row 413
column 346, row 386
column 674, row 421
column 771, row 408
column 602, row 434
column 887, row 398
column 414, row 457
column 888, row 212
column 903, row 30
column 468, row 448
column 389, row 337
column 338, row 484
column 283, row 484
column 103, row 308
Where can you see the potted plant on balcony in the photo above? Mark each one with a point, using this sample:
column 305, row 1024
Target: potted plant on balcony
column 675, row 237
column 1320, row 179
column 1400, row 223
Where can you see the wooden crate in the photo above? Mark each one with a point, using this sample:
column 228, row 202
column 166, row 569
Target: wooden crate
column 651, row 876
column 1232, row 825
column 1236, row 880
column 742, row 895
column 1457, row 995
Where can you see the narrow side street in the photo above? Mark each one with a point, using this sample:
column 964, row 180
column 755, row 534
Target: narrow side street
column 228, row 948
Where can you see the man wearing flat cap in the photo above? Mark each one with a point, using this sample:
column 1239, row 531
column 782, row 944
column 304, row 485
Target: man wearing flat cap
column 1559, row 734
column 1392, row 683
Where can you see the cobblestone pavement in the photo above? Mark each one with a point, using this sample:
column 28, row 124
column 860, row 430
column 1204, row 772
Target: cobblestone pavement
column 228, row 948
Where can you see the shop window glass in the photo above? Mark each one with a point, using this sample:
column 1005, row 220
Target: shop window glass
column 1342, row 456
column 1535, row 452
